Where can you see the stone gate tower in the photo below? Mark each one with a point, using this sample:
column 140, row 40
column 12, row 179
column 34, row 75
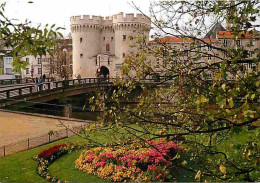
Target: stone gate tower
column 100, row 44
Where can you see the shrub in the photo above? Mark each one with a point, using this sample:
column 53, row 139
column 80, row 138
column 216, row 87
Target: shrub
column 154, row 161
column 47, row 156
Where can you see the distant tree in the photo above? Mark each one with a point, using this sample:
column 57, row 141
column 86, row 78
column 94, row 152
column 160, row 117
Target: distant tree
column 183, row 103
column 59, row 64
column 21, row 39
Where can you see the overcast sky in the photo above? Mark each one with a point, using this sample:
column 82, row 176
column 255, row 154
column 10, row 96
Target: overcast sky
column 59, row 11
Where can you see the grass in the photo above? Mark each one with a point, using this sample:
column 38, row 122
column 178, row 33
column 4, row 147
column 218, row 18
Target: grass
column 20, row 167
column 64, row 169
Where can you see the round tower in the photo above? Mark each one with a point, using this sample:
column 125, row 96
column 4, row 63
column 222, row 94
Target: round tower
column 126, row 26
column 104, row 42
column 86, row 35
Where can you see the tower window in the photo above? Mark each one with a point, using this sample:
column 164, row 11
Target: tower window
column 81, row 55
column 107, row 48
column 104, row 38
column 112, row 38
column 123, row 55
column 80, row 40
column 157, row 64
column 124, row 37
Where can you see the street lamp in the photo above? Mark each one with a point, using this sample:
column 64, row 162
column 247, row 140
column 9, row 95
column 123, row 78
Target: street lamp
column 32, row 70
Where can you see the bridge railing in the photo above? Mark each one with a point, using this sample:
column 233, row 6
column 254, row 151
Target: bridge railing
column 19, row 91
column 20, row 81
column 47, row 86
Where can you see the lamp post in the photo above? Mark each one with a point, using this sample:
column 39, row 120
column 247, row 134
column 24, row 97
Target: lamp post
column 32, row 70
column 1, row 63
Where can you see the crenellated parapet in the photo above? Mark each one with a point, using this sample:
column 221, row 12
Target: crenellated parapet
column 118, row 21
column 120, row 18
column 86, row 19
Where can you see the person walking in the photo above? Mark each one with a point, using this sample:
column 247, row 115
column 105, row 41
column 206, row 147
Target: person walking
column 40, row 80
column 43, row 77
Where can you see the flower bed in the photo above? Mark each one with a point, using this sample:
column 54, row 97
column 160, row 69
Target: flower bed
column 152, row 161
column 46, row 157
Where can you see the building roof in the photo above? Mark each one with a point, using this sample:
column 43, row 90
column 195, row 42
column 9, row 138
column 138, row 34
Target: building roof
column 213, row 31
column 220, row 35
column 229, row 34
column 172, row 39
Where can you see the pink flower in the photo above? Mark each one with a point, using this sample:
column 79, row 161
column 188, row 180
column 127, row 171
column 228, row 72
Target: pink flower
column 90, row 159
column 152, row 167
column 119, row 167
column 100, row 164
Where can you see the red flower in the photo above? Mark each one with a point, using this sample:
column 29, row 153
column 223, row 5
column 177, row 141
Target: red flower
column 51, row 151
column 100, row 164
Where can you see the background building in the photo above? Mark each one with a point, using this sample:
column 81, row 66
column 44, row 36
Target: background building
column 57, row 66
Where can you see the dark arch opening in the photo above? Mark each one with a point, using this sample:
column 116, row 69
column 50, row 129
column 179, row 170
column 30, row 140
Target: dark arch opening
column 104, row 72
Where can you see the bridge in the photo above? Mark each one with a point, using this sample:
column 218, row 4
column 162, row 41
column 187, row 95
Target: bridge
column 20, row 91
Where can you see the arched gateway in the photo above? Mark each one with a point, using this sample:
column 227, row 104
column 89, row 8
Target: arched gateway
column 103, row 72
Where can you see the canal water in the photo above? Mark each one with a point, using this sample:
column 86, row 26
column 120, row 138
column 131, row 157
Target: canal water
column 56, row 108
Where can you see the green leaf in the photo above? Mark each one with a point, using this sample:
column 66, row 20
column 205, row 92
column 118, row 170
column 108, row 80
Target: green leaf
column 245, row 106
column 252, row 96
column 223, row 87
column 231, row 103
column 249, row 113
column 203, row 99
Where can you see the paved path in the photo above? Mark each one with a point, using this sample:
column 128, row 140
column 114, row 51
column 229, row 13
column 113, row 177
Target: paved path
column 15, row 127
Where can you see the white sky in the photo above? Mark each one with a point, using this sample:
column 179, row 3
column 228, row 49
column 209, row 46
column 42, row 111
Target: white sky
column 59, row 11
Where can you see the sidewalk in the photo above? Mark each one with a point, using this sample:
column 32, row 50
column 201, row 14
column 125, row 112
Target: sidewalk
column 15, row 127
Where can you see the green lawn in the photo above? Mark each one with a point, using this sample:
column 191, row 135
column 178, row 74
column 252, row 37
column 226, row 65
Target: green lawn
column 20, row 167
column 64, row 169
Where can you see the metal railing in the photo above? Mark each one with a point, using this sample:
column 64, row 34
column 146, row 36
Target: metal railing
column 33, row 142
column 20, row 90
column 20, row 81
column 34, row 88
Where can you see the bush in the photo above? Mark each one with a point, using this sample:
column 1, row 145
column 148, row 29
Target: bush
column 154, row 161
column 46, row 157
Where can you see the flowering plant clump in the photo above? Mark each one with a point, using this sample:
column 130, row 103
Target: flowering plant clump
column 47, row 156
column 56, row 150
column 154, row 161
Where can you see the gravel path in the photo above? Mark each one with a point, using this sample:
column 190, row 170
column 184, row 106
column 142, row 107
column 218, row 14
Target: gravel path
column 16, row 127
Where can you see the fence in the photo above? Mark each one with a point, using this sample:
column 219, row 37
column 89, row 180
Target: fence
column 37, row 141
